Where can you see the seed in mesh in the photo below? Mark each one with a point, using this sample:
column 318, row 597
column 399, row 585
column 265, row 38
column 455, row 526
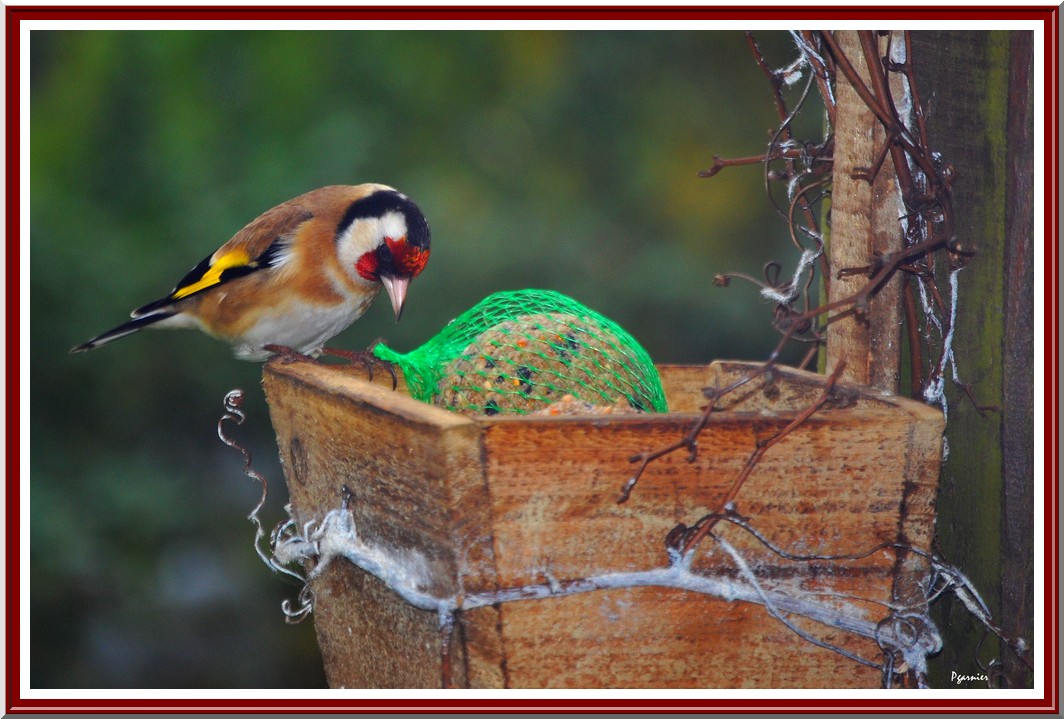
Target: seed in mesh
column 571, row 406
column 524, row 364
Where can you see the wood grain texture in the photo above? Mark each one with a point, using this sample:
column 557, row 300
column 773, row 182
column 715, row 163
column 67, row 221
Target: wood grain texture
column 650, row 637
column 1017, row 600
column 511, row 501
column 418, row 488
column 985, row 504
column 865, row 221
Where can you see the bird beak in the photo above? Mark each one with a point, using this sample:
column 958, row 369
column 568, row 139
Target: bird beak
column 396, row 287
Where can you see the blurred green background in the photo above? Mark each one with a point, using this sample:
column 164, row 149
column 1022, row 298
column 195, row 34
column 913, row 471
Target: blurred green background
column 565, row 160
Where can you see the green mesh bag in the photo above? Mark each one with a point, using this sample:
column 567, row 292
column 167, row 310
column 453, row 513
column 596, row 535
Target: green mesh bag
column 520, row 352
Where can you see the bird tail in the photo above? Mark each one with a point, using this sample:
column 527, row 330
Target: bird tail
column 127, row 328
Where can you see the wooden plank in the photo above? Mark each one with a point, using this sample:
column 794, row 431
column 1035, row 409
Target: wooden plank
column 822, row 490
column 554, row 485
column 418, row 490
column 371, row 638
column 671, row 639
column 507, row 502
column 684, row 389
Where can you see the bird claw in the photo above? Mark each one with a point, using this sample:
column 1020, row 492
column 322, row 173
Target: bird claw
column 367, row 359
column 287, row 355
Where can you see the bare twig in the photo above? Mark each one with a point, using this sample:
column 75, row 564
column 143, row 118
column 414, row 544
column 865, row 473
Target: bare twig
column 690, row 539
column 689, row 441
column 234, row 413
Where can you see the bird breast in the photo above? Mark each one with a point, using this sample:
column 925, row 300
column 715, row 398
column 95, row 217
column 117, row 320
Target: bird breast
column 304, row 327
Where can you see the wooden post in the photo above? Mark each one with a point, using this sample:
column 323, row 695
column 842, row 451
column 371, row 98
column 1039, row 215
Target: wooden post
column 977, row 100
column 865, row 209
column 981, row 122
column 1018, row 387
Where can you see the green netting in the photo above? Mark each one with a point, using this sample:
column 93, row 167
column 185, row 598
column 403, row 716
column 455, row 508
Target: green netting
column 518, row 352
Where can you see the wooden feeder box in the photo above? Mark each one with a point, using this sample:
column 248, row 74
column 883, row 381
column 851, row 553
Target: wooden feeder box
column 509, row 501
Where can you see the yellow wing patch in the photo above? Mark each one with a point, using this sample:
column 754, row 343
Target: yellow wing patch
column 213, row 273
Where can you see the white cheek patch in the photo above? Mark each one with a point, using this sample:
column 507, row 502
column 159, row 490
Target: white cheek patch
column 366, row 234
column 393, row 225
column 349, row 246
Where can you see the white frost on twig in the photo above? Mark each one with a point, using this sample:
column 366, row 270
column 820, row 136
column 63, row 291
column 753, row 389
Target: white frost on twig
column 814, row 59
column 935, row 392
column 789, row 292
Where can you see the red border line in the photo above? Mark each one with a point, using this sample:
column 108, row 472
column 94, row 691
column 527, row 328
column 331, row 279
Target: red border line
column 16, row 15
column 968, row 706
column 428, row 12
column 1052, row 498
column 12, row 460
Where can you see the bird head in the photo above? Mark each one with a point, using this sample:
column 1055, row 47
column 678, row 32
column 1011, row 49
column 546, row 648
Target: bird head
column 385, row 238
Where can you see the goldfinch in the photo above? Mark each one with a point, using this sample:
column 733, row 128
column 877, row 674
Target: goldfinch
column 297, row 275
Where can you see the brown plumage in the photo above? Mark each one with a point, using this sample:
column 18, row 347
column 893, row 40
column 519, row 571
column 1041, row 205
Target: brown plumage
column 298, row 274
